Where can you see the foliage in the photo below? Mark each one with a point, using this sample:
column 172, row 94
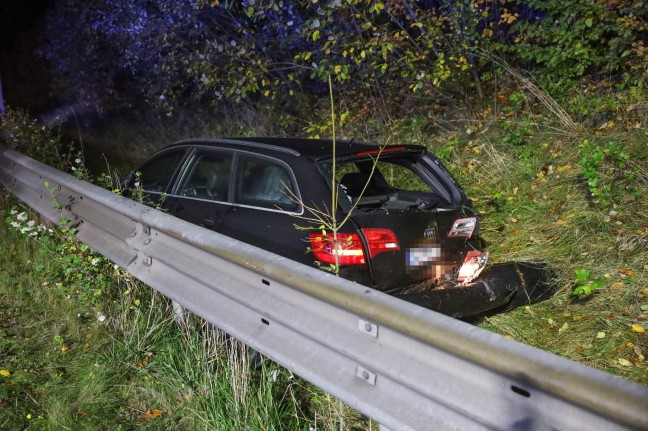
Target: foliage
column 586, row 283
column 82, row 271
column 386, row 58
column 564, row 40
column 607, row 172
column 24, row 133
column 535, row 208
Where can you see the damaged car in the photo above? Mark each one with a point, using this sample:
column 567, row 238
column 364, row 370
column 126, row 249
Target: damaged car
column 390, row 217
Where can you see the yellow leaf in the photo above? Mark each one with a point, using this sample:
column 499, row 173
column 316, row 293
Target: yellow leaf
column 5, row 373
column 638, row 329
column 625, row 362
column 600, row 335
column 64, row 348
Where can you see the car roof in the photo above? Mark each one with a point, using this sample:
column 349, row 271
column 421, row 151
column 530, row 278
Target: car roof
column 313, row 149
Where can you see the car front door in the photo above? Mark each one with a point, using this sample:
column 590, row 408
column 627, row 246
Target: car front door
column 151, row 181
column 201, row 192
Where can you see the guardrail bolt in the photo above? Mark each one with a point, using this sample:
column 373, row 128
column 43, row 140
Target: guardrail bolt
column 368, row 327
column 147, row 230
column 148, row 260
column 366, row 375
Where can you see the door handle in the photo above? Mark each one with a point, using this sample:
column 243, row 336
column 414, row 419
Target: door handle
column 208, row 222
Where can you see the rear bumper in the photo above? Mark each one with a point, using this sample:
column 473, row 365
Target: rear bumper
column 500, row 287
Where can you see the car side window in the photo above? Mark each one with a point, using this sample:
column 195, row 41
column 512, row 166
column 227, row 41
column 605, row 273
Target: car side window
column 264, row 183
column 207, row 177
column 156, row 174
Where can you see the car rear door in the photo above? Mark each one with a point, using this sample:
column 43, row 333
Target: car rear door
column 266, row 206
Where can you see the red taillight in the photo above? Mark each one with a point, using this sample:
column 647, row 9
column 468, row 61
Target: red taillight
column 349, row 248
column 380, row 240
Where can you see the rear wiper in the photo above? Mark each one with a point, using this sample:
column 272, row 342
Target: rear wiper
column 373, row 200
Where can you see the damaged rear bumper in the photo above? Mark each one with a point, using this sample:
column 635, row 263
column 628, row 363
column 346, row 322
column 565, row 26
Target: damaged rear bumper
column 501, row 287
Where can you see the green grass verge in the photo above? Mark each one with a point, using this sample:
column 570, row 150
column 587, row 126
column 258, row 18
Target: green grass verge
column 538, row 206
column 119, row 361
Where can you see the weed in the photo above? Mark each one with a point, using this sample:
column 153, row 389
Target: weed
column 586, row 283
column 604, row 168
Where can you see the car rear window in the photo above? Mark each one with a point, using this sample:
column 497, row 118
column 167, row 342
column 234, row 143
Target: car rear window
column 393, row 181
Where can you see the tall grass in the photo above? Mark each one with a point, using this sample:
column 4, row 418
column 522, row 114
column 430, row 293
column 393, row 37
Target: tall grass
column 537, row 206
column 123, row 362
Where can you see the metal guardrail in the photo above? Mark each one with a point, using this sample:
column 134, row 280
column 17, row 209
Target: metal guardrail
column 406, row 367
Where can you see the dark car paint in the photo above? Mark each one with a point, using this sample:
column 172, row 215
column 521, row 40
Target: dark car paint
column 276, row 230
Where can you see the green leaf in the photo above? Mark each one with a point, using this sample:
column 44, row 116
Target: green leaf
column 588, row 22
column 316, row 35
column 582, row 275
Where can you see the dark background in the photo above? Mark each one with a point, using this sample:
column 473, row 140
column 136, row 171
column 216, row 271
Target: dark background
column 25, row 76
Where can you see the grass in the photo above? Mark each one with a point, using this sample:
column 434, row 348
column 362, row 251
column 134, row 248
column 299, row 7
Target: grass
column 537, row 207
column 120, row 361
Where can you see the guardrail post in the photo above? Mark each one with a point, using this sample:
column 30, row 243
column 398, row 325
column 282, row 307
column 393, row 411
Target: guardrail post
column 182, row 315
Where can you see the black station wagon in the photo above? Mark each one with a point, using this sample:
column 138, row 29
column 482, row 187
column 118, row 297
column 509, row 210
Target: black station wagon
column 408, row 228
